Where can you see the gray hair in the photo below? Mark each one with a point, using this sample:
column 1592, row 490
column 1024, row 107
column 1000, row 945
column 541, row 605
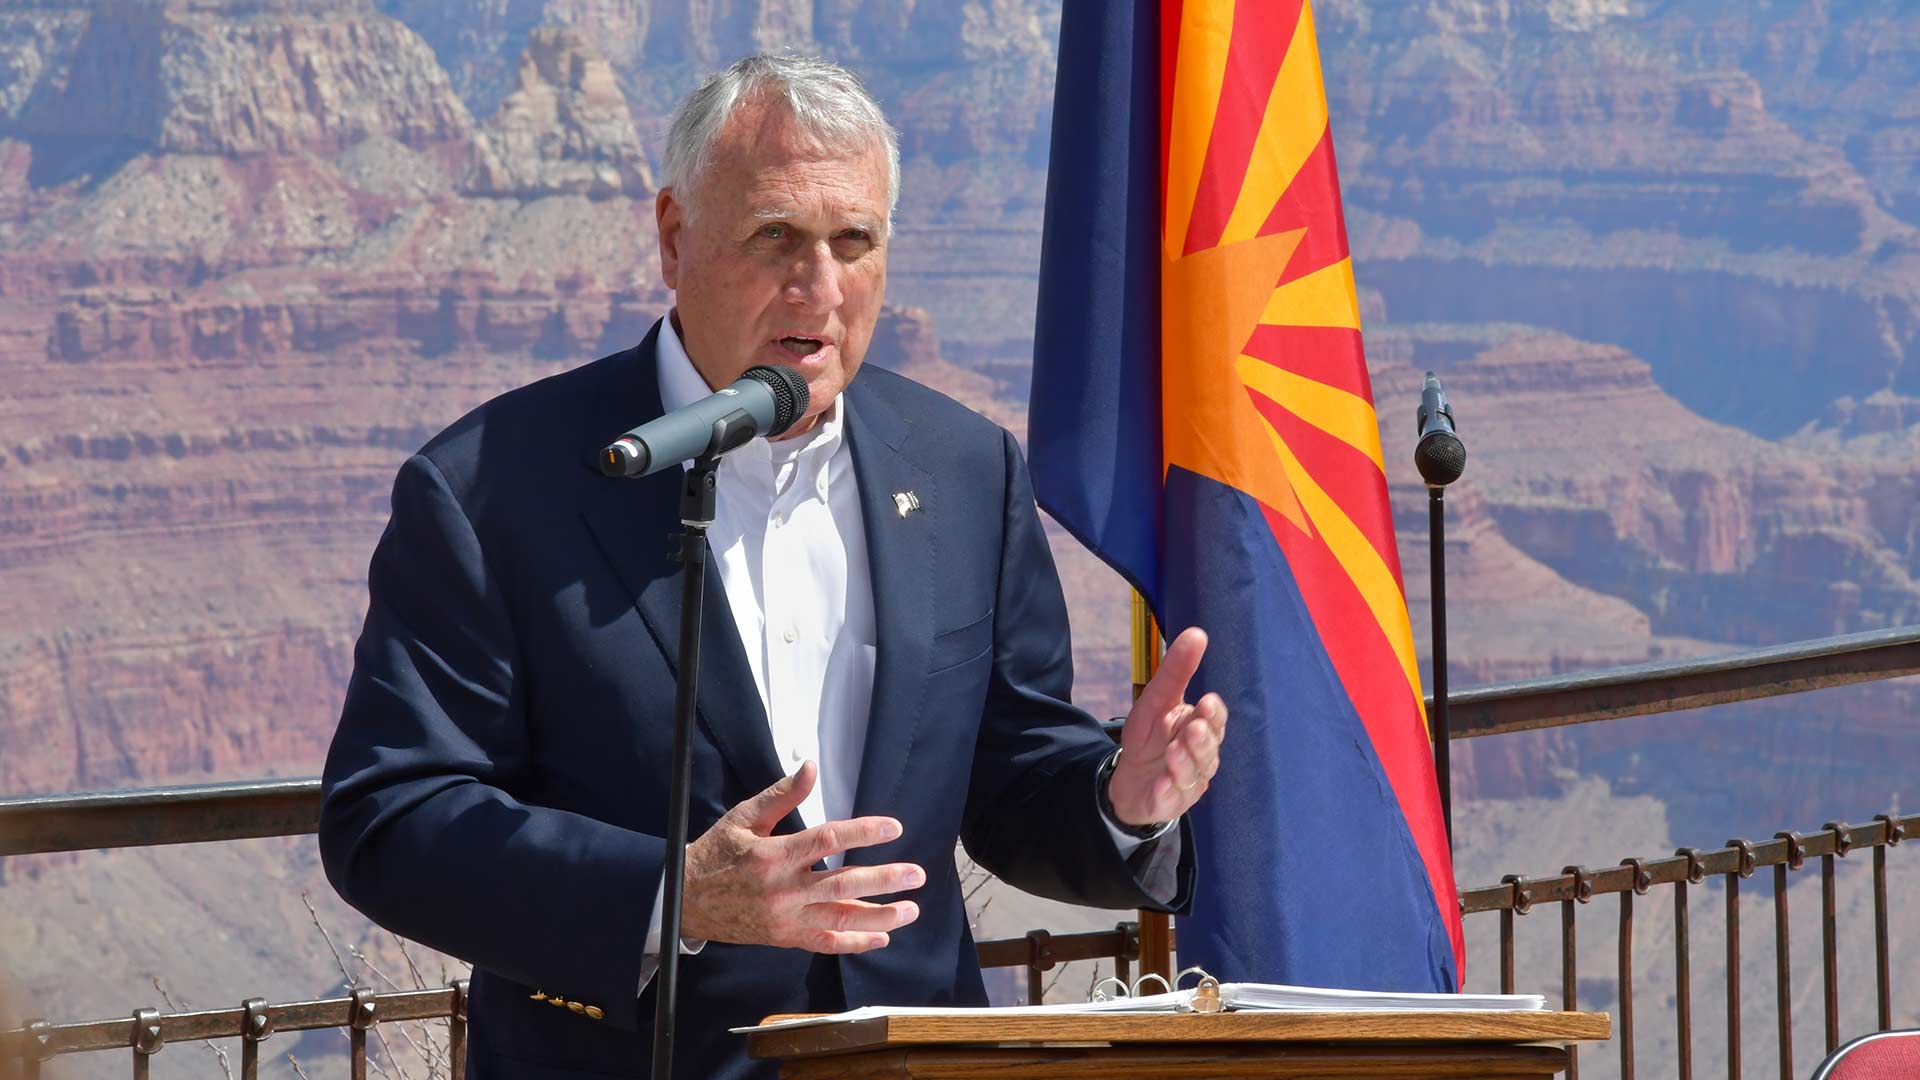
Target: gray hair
column 827, row 101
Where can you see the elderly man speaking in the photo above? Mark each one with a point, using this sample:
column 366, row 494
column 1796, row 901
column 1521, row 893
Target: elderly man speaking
column 886, row 664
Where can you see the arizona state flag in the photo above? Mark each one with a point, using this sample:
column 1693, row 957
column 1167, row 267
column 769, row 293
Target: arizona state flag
column 1202, row 418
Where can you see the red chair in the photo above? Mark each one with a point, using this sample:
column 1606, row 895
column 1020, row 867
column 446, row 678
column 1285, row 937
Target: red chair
column 1886, row 1055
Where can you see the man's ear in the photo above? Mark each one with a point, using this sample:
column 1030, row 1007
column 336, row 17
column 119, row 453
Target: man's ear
column 670, row 218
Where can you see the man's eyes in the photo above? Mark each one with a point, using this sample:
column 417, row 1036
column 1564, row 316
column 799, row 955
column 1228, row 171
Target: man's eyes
column 848, row 243
column 854, row 241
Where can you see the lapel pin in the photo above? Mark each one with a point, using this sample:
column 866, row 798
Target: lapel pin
column 906, row 502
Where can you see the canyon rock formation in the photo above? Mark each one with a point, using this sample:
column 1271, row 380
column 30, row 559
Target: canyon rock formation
column 253, row 252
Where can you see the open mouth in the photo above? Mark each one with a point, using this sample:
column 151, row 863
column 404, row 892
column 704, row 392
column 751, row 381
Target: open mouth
column 802, row 346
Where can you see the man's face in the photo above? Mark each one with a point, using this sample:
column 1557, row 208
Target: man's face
column 784, row 260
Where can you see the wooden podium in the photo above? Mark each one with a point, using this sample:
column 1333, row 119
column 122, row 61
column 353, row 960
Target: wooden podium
column 1221, row 1046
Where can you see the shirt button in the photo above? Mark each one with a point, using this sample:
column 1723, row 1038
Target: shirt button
column 789, row 635
column 795, row 755
column 779, row 520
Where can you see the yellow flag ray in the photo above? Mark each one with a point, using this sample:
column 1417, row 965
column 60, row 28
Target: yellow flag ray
column 1326, row 297
column 1343, row 415
column 1369, row 572
column 1206, row 32
column 1295, row 121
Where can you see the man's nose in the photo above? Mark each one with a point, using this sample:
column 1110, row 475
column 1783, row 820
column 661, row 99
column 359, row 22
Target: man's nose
column 813, row 282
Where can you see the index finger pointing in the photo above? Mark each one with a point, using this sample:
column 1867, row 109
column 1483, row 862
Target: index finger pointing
column 1168, row 687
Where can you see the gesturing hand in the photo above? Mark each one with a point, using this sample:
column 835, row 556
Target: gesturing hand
column 1169, row 750
column 749, row 887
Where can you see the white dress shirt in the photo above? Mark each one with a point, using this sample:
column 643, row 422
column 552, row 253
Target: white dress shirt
column 790, row 545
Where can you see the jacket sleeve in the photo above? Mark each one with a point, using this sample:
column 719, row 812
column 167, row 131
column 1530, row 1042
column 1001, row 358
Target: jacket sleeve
column 1031, row 816
column 420, row 828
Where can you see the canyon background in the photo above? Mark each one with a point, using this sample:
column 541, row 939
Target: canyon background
column 1665, row 255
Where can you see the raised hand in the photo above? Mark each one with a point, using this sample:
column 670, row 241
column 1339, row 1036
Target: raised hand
column 1169, row 750
column 749, row 887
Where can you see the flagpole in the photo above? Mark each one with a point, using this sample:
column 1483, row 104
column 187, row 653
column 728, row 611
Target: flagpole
column 1156, row 927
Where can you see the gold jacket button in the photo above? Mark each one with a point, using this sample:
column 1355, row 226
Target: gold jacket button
column 595, row 1012
column 559, row 1001
column 537, row 995
column 576, row 1006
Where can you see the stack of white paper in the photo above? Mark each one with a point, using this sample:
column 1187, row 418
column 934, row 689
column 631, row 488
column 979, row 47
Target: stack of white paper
column 1273, row 997
column 1243, row 997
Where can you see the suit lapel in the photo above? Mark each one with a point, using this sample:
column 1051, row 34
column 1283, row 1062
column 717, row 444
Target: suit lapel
column 901, row 554
column 635, row 523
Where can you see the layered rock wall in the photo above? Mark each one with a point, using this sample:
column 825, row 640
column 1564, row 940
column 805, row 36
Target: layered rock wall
column 182, row 81
column 253, row 253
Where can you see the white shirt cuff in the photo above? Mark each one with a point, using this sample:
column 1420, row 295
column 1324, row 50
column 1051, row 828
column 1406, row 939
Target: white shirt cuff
column 1128, row 844
column 650, row 953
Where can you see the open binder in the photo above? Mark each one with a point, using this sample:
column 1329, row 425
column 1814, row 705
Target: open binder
column 1208, row 996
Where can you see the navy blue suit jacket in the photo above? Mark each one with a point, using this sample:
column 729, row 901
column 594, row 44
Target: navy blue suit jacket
column 497, row 788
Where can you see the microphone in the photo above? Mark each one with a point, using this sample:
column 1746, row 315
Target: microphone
column 765, row 400
column 1439, row 455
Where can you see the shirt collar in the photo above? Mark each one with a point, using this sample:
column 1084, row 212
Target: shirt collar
column 681, row 385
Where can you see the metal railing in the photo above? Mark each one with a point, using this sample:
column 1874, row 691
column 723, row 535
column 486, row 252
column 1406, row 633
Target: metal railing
column 253, row 809
column 1675, row 686
column 147, row 1031
column 256, row 809
column 1576, row 886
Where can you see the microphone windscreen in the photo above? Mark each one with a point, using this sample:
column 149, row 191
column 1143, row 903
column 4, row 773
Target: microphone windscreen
column 789, row 394
column 1441, row 457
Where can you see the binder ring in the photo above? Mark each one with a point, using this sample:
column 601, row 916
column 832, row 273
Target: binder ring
column 1165, row 987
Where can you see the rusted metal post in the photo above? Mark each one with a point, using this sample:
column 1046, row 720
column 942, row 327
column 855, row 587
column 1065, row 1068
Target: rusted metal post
column 1128, row 952
column 1829, row 933
column 1891, row 835
column 1641, row 882
column 1039, row 961
column 1743, row 870
column 1519, row 903
column 35, row 1049
column 147, row 1040
column 457, row 1031
column 360, row 1018
column 1569, row 980
column 1506, row 950
column 255, row 1026
column 1683, row 962
column 1782, row 962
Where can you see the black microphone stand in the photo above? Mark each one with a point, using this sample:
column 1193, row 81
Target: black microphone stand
column 1440, row 457
column 697, row 499
column 1437, row 566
